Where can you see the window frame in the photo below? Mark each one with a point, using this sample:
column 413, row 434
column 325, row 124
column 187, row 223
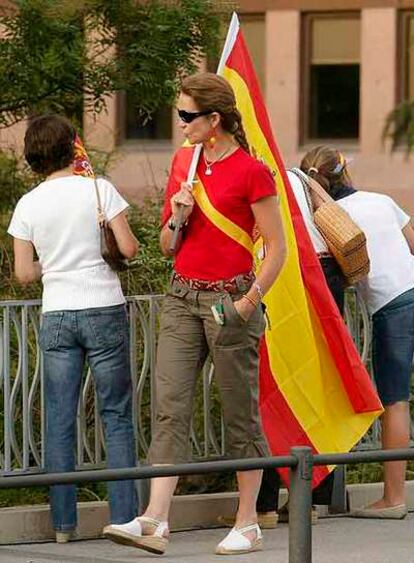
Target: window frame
column 123, row 140
column 402, row 83
column 307, row 19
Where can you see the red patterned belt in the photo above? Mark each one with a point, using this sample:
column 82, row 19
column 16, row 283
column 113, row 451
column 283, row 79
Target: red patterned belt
column 238, row 284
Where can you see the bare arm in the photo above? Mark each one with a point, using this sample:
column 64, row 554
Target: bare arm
column 269, row 222
column 125, row 238
column 26, row 269
column 408, row 232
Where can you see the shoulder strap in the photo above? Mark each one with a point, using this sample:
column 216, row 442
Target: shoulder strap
column 303, row 178
column 308, row 182
column 226, row 225
column 318, row 189
column 101, row 215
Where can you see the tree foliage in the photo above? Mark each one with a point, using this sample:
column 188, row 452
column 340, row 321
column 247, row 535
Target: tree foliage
column 399, row 126
column 15, row 180
column 65, row 56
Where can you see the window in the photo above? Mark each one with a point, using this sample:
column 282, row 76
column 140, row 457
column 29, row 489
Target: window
column 331, row 76
column 157, row 128
column 407, row 58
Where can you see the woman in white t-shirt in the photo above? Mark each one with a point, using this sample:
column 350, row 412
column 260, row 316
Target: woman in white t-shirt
column 84, row 315
column 388, row 291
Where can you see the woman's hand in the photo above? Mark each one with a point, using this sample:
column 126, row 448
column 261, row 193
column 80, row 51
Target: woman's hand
column 182, row 200
column 244, row 308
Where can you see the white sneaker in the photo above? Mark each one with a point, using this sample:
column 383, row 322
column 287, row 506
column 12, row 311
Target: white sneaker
column 236, row 542
column 132, row 534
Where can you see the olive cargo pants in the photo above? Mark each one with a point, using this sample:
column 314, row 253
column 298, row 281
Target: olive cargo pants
column 188, row 333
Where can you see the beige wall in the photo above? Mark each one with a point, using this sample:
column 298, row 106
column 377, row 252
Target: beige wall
column 11, row 138
column 255, row 6
column 283, row 88
column 373, row 167
column 136, row 167
column 378, row 76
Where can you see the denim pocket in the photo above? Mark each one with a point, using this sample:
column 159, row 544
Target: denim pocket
column 109, row 327
column 50, row 330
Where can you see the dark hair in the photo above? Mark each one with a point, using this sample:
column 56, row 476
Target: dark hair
column 48, row 143
column 327, row 166
column 213, row 92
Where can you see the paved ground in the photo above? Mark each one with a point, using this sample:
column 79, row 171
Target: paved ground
column 335, row 540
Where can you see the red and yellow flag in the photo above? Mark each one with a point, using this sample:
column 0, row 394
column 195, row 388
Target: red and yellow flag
column 81, row 164
column 314, row 388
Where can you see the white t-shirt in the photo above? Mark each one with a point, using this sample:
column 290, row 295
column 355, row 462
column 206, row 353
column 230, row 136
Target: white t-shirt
column 59, row 217
column 317, row 240
column 392, row 264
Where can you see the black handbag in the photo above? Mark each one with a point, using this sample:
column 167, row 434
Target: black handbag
column 109, row 247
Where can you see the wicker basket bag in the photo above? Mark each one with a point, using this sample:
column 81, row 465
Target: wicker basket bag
column 345, row 240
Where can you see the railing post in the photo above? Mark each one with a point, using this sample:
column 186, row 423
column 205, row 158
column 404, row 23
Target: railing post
column 300, row 507
column 339, row 495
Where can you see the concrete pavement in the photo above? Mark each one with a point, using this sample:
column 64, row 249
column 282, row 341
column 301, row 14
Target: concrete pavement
column 335, row 540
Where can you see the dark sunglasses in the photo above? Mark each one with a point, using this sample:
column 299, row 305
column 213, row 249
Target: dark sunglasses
column 189, row 116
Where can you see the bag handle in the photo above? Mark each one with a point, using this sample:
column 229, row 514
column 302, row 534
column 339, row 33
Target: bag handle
column 101, row 215
column 308, row 182
column 303, row 178
column 318, row 189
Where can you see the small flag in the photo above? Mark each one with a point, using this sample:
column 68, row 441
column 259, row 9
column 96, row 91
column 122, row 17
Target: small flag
column 81, row 164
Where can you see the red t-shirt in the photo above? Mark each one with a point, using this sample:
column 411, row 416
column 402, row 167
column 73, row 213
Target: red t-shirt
column 206, row 253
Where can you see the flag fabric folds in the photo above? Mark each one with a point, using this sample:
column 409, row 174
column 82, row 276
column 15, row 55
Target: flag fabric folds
column 314, row 388
column 81, row 164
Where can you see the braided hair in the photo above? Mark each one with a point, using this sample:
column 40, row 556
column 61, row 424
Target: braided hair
column 212, row 92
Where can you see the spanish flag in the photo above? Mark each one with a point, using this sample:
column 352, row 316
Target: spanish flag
column 81, row 164
column 314, row 388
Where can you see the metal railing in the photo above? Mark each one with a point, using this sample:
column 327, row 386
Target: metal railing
column 21, row 392
column 22, row 419
column 21, row 388
column 300, row 462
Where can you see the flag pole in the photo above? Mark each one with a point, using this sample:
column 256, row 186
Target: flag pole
column 228, row 45
column 231, row 37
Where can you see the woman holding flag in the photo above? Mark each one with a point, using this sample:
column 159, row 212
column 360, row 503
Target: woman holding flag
column 213, row 305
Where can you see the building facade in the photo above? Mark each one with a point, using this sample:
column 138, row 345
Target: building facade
column 330, row 70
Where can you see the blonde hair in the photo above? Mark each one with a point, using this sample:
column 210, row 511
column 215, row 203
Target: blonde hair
column 327, row 166
column 213, row 92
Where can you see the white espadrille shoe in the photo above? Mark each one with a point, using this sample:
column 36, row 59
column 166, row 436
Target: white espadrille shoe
column 236, row 542
column 64, row 537
column 132, row 534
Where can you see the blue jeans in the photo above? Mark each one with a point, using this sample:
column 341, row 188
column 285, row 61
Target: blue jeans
column 393, row 348
column 67, row 339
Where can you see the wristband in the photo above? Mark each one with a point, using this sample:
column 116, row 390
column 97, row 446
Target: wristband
column 172, row 225
column 252, row 301
column 259, row 290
